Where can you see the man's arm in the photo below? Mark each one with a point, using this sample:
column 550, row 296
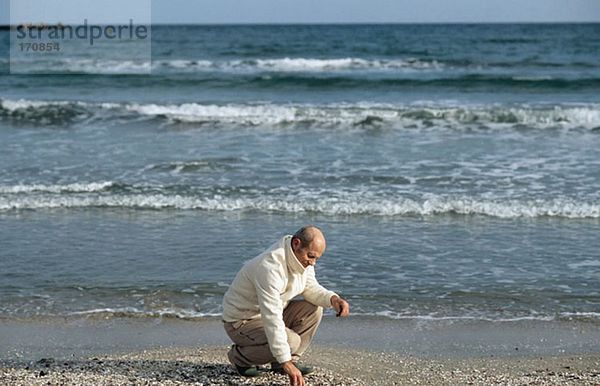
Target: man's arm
column 316, row 293
column 319, row 295
column 268, row 283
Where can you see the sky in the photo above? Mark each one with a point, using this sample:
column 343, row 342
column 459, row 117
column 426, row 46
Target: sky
column 313, row 11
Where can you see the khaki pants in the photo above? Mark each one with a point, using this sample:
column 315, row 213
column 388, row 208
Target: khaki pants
column 251, row 348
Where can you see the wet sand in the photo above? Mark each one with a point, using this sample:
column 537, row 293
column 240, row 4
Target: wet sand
column 357, row 351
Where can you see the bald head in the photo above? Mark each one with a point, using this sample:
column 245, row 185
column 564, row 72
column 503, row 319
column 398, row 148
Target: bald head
column 310, row 234
column 308, row 245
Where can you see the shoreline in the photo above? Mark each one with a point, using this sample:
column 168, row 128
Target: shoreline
column 354, row 351
column 78, row 337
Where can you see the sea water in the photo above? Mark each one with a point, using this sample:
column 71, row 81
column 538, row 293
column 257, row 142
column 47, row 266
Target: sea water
column 455, row 170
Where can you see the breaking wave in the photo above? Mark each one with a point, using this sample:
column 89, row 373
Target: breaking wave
column 283, row 65
column 109, row 195
column 133, row 312
column 67, row 188
column 302, row 64
column 467, row 316
column 418, row 115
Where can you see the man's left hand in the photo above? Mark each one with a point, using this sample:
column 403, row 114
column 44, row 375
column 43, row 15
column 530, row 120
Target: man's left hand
column 341, row 307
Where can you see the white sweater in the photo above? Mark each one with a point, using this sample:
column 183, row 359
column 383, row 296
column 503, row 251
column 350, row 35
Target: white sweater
column 263, row 288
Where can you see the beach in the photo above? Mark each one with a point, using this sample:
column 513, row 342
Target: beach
column 172, row 351
column 205, row 366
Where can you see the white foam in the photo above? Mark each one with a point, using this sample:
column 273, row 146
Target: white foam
column 136, row 312
column 231, row 114
column 311, row 64
column 434, row 318
column 23, row 104
column 76, row 187
column 285, row 64
column 590, row 315
column 265, row 114
column 288, row 64
column 398, row 115
column 183, row 64
column 345, row 115
column 102, row 66
column 331, row 204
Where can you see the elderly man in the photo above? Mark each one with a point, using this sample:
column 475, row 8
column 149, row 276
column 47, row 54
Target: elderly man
column 261, row 318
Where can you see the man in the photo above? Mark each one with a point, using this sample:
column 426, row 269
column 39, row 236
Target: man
column 261, row 318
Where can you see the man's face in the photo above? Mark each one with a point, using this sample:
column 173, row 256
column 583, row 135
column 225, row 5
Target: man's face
column 310, row 254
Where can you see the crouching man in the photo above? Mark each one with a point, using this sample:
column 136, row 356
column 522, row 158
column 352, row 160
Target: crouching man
column 260, row 317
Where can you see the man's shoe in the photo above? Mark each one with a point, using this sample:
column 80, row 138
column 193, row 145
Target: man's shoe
column 248, row 371
column 305, row 370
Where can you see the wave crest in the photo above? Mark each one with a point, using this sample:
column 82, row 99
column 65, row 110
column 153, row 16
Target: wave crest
column 332, row 203
column 67, row 188
column 256, row 65
column 44, row 112
column 325, row 65
column 133, row 312
column 344, row 116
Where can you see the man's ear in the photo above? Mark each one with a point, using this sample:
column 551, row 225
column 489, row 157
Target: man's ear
column 295, row 242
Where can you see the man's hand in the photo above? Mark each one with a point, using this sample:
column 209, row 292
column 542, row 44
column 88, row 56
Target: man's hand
column 341, row 307
column 292, row 371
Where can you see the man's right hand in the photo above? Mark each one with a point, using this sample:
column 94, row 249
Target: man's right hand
column 341, row 307
column 295, row 375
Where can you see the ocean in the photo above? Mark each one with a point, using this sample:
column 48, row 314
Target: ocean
column 455, row 170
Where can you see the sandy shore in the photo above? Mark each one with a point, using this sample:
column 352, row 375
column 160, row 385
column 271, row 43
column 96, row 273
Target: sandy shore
column 357, row 351
column 208, row 366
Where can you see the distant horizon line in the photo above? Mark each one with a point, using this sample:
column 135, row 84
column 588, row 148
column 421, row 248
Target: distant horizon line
column 6, row 26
